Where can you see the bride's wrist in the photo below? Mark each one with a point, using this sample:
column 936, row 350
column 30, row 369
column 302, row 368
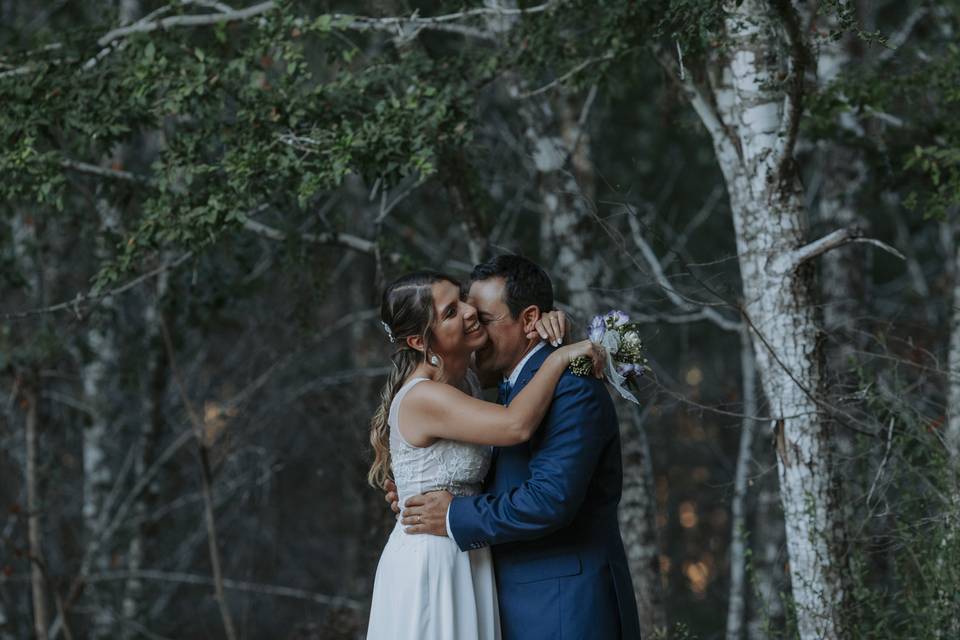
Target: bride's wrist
column 563, row 357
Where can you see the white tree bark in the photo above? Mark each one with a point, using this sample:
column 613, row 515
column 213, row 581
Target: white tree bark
column 752, row 120
column 953, row 368
column 151, row 420
column 556, row 136
column 567, row 221
column 638, row 512
column 738, row 508
column 567, row 226
column 952, row 437
column 34, row 508
column 99, row 380
column 24, row 235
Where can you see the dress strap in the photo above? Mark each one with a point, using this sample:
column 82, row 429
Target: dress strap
column 392, row 418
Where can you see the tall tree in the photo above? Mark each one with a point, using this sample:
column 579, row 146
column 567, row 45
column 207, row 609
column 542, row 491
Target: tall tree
column 749, row 97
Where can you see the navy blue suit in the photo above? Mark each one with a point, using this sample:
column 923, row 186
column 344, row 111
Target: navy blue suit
column 551, row 513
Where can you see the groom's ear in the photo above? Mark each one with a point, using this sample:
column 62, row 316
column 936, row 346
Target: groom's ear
column 529, row 317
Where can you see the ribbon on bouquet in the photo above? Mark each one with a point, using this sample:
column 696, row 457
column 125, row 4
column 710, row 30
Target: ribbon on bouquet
column 611, row 342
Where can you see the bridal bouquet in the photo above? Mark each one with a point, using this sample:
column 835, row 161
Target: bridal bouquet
column 621, row 338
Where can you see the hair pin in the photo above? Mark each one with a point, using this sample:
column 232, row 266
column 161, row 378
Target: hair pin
column 386, row 328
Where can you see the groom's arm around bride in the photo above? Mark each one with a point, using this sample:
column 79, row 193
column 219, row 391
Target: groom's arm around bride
column 551, row 511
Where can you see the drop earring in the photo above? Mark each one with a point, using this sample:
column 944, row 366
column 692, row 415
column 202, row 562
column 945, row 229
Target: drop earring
column 434, row 360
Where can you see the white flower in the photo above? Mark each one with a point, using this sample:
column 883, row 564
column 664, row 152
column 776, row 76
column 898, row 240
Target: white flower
column 617, row 318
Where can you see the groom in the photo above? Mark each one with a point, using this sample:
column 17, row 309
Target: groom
column 550, row 507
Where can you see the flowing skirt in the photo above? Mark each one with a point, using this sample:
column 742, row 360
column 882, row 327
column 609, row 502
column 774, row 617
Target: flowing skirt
column 427, row 589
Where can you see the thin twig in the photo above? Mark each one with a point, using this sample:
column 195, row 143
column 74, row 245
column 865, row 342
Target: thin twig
column 92, row 169
column 883, row 463
column 235, row 585
column 569, row 74
column 91, row 297
column 207, row 479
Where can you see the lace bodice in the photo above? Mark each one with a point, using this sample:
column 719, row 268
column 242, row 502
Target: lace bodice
column 457, row 467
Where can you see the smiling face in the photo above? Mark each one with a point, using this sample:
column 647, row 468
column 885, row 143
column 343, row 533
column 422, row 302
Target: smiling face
column 457, row 330
column 508, row 340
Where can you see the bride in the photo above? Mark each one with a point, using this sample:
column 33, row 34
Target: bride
column 433, row 432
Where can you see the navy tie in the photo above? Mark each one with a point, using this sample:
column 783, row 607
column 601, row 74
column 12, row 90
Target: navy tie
column 504, row 392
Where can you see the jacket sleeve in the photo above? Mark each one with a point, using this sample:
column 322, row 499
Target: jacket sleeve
column 561, row 467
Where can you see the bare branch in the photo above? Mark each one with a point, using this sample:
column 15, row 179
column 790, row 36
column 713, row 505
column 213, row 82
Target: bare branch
column 569, row 74
column 838, row 238
column 146, row 26
column 206, row 484
column 700, row 100
column 235, row 585
column 92, row 169
column 345, row 240
column 680, row 242
column 900, row 38
column 706, row 313
column 414, row 24
column 883, row 463
column 92, row 297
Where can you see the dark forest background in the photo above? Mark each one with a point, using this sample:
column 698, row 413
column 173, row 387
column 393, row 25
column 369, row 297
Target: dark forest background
column 200, row 203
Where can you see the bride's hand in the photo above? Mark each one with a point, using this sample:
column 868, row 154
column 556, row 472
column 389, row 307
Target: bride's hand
column 585, row 348
column 551, row 327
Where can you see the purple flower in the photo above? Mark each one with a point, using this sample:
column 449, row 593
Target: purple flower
column 617, row 318
column 627, row 369
column 596, row 330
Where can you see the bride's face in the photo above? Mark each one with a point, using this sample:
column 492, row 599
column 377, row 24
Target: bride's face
column 457, row 331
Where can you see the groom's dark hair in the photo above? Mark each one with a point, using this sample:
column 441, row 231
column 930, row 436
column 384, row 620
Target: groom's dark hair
column 525, row 283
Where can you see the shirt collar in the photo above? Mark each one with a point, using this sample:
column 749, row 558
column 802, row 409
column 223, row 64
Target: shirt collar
column 517, row 369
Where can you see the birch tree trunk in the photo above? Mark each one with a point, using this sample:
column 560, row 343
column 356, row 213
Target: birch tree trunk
column 151, row 422
column 34, row 509
column 556, row 136
column 952, row 437
column 752, row 118
column 25, row 241
column 99, row 379
column 953, row 369
column 738, row 534
column 565, row 181
column 567, row 223
column 638, row 512
column 844, row 174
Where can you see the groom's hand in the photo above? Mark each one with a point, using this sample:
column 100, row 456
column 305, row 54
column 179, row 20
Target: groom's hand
column 427, row 513
column 392, row 499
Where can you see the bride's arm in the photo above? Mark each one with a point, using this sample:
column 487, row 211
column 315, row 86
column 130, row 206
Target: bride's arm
column 435, row 410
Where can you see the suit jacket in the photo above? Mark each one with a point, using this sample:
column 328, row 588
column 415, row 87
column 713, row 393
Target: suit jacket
column 550, row 510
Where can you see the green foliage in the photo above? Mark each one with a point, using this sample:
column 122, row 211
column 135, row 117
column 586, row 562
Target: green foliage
column 271, row 113
column 613, row 34
column 909, row 129
column 905, row 563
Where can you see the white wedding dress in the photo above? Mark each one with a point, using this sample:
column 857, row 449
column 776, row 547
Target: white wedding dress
column 425, row 587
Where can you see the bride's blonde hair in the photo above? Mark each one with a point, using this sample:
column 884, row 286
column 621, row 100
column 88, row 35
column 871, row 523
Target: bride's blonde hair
column 405, row 310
